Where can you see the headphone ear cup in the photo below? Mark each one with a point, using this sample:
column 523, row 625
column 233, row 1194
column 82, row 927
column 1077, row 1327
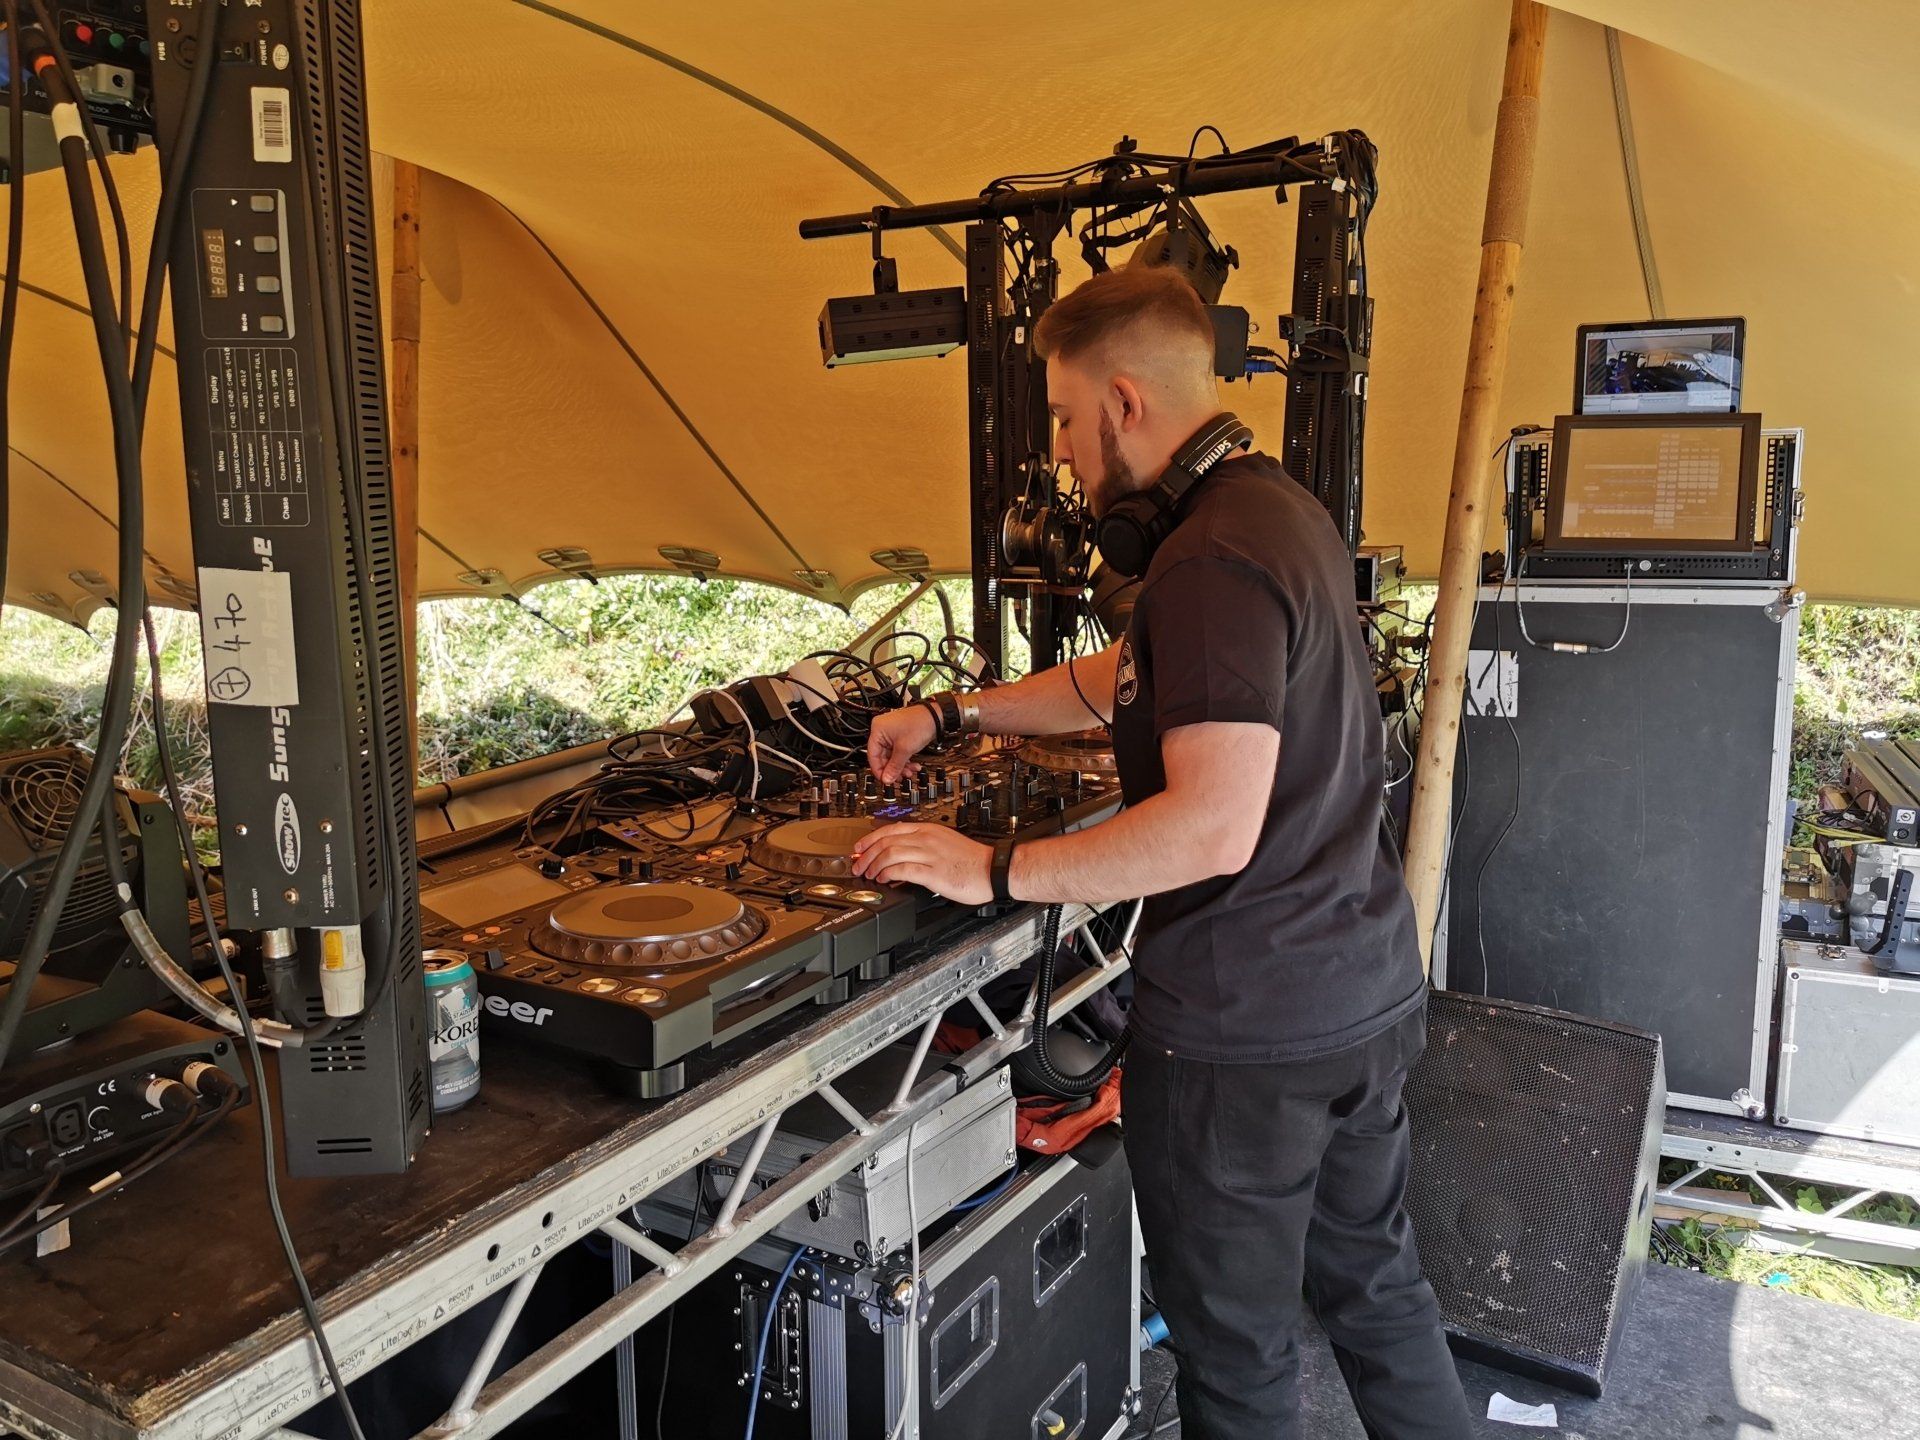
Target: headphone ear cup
column 1126, row 536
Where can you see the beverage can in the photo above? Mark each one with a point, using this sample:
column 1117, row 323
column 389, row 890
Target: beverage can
column 453, row 1013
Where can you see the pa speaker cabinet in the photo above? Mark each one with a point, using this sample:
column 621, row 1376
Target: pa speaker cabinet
column 1621, row 816
column 1536, row 1145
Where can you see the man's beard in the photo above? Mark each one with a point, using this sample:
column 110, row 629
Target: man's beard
column 1116, row 476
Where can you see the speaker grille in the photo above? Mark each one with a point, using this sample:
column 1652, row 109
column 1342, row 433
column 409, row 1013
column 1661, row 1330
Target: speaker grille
column 1534, row 1138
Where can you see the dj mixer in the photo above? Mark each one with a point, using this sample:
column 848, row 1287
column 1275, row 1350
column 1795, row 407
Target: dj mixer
column 660, row 934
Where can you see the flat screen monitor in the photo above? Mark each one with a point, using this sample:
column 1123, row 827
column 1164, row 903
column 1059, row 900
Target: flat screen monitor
column 1621, row 484
column 1665, row 367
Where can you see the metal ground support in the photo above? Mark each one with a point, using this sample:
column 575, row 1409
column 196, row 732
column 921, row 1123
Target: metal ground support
column 739, row 1223
column 1775, row 1162
column 260, row 1387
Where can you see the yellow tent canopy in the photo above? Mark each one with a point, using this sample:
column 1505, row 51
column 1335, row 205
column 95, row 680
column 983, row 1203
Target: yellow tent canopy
column 618, row 348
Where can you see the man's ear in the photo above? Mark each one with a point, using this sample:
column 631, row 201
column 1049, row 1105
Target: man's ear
column 1127, row 400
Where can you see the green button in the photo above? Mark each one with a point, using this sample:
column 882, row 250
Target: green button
column 116, row 41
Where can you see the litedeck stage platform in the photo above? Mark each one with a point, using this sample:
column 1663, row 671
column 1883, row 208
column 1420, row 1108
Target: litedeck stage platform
column 173, row 1317
column 1699, row 1358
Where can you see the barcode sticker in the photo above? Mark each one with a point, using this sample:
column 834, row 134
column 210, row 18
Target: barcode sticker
column 272, row 135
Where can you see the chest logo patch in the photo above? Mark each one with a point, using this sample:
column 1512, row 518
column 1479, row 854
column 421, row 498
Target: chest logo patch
column 1126, row 676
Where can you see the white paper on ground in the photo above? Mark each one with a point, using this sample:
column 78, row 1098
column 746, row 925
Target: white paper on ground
column 1512, row 1412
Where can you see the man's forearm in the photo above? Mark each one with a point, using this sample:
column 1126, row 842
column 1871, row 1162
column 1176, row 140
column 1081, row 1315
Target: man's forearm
column 1159, row 844
column 1049, row 703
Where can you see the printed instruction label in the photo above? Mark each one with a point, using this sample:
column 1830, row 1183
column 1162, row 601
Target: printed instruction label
column 1493, row 683
column 272, row 124
column 246, row 634
column 256, row 426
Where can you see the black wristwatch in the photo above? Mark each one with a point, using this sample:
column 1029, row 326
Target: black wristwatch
column 1002, row 868
column 946, row 714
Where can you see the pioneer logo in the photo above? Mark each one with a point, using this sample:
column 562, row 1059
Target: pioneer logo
column 286, row 833
column 517, row 1010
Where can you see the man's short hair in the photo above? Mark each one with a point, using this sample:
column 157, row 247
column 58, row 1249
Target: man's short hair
column 1124, row 315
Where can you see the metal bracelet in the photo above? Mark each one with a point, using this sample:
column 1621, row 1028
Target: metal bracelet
column 969, row 713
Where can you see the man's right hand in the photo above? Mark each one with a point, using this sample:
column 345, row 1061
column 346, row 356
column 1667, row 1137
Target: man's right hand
column 896, row 737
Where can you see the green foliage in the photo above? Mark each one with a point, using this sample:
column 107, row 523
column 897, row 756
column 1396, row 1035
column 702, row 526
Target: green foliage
column 1859, row 670
column 501, row 682
column 1725, row 1251
column 498, row 682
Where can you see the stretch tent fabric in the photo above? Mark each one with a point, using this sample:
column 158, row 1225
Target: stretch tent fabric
column 618, row 334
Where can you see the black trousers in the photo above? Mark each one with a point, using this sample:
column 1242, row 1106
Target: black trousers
column 1260, row 1186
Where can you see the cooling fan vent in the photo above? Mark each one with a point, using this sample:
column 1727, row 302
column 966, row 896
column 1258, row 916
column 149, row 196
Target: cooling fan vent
column 42, row 794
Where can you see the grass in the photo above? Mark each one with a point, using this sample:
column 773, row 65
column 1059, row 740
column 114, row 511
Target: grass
column 1724, row 1251
column 497, row 682
column 1859, row 670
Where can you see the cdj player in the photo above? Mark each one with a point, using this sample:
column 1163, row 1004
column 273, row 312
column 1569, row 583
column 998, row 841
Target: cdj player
column 662, row 933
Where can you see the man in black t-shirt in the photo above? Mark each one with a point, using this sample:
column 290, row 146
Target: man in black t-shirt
column 1279, row 997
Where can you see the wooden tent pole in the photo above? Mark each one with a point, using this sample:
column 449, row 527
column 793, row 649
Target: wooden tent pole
column 404, row 398
column 1502, row 239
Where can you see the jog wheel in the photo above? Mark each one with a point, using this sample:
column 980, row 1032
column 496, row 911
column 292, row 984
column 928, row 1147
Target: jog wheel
column 812, row 848
column 670, row 923
column 1088, row 751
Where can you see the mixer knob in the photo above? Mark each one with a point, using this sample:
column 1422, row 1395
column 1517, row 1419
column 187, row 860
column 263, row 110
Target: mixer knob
column 733, row 870
column 646, row 870
column 626, row 867
column 553, row 867
column 1056, row 804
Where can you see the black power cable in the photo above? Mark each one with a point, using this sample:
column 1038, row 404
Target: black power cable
column 183, row 1136
column 98, row 149
column 1058, row 1081
column 1513, row 814
column 116, row 711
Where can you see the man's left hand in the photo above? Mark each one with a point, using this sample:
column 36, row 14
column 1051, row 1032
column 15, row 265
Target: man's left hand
column 943, row 860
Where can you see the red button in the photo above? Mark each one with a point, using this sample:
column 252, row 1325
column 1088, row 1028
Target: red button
column 493, row 930
column 83, row 33
column 471, row 938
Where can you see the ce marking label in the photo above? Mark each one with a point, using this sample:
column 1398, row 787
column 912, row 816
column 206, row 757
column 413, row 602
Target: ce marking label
column 107, row 1087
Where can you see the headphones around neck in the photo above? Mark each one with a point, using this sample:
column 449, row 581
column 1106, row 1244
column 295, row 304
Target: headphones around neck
column 1133, row 528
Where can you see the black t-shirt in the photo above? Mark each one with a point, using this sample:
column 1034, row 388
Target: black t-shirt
column 1247, row 614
